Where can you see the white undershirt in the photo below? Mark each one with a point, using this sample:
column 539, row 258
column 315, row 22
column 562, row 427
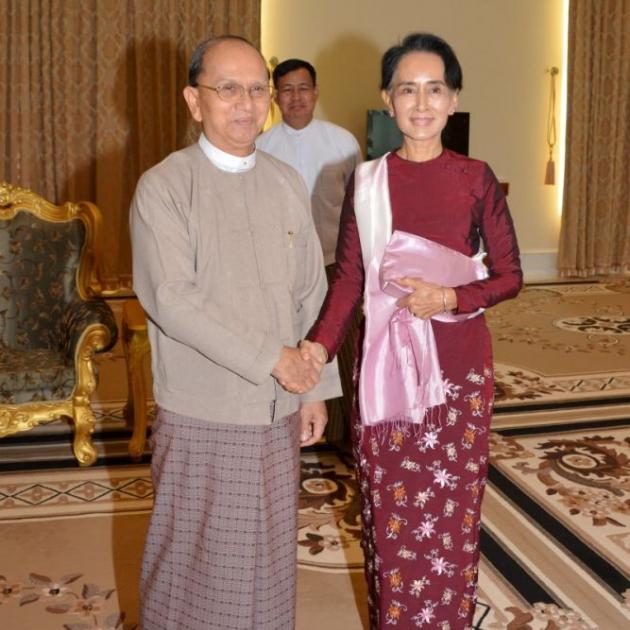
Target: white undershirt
column 226, row 161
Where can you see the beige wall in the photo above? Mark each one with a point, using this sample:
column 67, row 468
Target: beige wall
column 504, row 47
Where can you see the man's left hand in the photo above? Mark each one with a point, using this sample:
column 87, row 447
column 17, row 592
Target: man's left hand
column 313, row 419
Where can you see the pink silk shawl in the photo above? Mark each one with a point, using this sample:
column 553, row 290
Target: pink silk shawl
column 400, row 375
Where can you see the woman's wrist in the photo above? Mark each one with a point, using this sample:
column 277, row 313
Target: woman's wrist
column 449, row 299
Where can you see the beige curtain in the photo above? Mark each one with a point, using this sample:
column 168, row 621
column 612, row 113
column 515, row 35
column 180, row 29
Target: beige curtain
column 595, row 232
column 91, row 96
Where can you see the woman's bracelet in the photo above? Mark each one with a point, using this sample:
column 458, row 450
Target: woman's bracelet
column 444, row 300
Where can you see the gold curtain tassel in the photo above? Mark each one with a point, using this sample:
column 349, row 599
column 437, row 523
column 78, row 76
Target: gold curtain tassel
column 550, row 173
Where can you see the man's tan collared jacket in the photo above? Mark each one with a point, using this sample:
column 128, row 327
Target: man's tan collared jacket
column 229, row 269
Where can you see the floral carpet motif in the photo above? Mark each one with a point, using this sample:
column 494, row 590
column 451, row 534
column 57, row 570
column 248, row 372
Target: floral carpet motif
column 528, row 319
column 518, row 386
column 596, row 325
column 513, row 384
column 86, row 605
column 329, row 527
column 562, row 343
column 582, row 479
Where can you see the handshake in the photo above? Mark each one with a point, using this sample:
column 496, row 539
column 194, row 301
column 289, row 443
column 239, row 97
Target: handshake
column 299, row 368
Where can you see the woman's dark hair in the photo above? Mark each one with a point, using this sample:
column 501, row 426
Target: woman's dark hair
column 422, row 42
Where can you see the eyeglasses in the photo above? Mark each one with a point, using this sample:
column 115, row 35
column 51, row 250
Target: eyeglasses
column 231, row 92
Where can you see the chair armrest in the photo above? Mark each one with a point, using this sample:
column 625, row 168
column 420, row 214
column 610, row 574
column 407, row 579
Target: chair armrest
column 77, row 317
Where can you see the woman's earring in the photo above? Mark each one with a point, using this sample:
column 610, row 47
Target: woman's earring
column 391, row 113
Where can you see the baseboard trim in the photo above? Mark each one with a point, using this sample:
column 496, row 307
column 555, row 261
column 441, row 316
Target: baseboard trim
column 539, row 266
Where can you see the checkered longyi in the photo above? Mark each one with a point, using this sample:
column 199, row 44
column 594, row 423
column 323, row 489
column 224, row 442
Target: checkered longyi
column 220, row 551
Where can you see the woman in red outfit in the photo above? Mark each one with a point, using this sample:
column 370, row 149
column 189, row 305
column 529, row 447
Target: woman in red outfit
column 422, row 453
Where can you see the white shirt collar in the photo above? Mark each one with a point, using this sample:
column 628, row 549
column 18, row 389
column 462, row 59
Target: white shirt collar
column 226, row 161
column 296, row 132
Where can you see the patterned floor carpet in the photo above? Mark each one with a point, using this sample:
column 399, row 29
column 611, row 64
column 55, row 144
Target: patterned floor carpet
column 556, row 506
column 556, row 516
column 562, row 353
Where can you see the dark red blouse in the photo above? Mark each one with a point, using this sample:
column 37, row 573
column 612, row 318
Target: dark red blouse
column 453, row 200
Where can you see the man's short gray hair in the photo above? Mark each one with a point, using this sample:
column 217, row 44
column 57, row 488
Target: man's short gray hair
column 196, row 60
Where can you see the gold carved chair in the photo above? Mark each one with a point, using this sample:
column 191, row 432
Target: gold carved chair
column 52, row 320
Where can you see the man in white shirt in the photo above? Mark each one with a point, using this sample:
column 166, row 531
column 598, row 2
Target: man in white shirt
column 323, row 153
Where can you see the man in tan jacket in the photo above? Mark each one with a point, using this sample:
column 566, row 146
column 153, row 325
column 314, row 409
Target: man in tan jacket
column 228, row 267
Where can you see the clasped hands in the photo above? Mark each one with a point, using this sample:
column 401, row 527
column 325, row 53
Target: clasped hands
column 299, row 369
column 298, row 372
column 426, row 299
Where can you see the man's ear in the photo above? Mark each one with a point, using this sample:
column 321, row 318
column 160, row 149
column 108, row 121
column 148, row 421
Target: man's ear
column 191, row 94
